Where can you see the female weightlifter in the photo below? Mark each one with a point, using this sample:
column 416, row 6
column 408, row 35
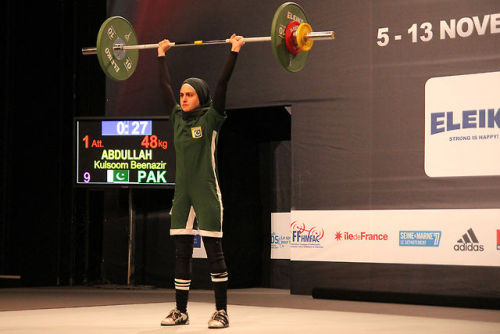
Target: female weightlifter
column 197, row 205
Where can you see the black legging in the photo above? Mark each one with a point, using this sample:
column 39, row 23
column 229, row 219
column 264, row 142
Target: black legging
column 184, row 255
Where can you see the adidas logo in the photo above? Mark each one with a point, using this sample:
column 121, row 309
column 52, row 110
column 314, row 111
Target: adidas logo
column 468, row 242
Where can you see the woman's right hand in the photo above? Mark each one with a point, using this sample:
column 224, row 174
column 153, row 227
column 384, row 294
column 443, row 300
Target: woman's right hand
column 236, row 42
column 163, row 46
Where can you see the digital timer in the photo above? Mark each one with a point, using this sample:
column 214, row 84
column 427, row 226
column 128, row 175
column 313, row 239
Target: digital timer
column 126, row 128
column 124, row 152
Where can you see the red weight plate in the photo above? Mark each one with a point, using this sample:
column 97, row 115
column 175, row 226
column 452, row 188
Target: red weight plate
column 290, row 40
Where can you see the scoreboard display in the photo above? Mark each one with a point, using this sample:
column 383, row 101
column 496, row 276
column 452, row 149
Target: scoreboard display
column 124, row 152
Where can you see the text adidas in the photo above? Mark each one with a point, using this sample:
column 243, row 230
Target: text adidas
column 468, row 248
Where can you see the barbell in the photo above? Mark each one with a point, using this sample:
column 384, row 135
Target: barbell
column 291, row 39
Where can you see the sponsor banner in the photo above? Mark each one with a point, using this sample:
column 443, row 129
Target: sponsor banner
column 280, row 235
column 441, row 236
column 462, row 125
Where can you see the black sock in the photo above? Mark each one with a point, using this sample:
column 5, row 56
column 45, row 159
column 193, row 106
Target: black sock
column 181, row 300
column 183, row 254
column 182, row 294
column 219, row 281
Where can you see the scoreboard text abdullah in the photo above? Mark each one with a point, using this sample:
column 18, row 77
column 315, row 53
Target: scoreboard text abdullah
column 123, row 152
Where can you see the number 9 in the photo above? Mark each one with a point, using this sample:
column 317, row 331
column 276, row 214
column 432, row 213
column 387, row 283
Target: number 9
column 86, row 177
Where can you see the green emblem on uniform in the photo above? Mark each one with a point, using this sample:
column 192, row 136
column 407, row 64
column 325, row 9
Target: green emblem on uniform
column 196, row 132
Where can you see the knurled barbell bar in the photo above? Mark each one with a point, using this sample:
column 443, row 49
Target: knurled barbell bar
column 291, row 39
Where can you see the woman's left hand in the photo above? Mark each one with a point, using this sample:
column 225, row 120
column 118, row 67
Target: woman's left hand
column 236, row 42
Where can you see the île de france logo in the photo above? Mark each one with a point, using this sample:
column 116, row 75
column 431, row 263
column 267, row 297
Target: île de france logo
column 304, row 234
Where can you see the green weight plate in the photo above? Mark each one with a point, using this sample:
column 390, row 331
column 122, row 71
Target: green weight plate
column 289, row 11
column 117, row 64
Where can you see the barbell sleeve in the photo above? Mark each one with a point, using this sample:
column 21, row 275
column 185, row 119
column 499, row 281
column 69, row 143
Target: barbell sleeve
column 89, row 51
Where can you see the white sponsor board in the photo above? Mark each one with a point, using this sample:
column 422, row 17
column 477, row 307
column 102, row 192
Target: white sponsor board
column 280, row 235
column 462, row 125
column 441, row 236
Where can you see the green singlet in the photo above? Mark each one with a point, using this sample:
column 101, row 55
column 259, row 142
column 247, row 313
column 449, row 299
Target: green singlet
column 197, row 206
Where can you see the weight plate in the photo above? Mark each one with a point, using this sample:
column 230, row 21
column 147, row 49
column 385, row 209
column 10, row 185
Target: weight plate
column 289, row 11
column 290, row 40
column 117, row 64
column 304, row 43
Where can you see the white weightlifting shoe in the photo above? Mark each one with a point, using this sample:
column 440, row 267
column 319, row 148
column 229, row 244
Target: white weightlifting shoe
column 219, row 320
column 175, row 317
